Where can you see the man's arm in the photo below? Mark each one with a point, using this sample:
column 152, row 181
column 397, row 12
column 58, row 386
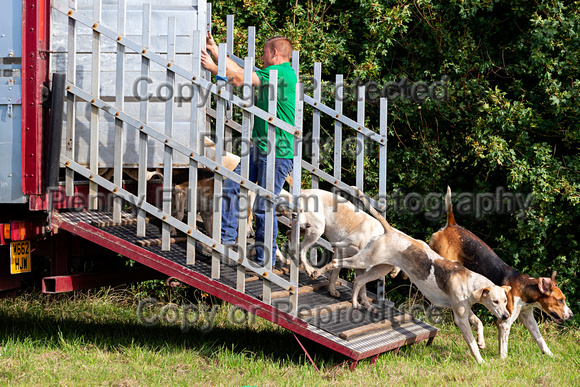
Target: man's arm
column 211, row 45
column 234, row 72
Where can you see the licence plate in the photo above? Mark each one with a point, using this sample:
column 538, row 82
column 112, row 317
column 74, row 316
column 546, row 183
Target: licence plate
column 20, row 257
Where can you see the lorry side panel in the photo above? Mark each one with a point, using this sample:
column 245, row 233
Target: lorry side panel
column 11, row 103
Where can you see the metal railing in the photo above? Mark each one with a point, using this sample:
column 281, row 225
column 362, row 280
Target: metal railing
column 162, row 137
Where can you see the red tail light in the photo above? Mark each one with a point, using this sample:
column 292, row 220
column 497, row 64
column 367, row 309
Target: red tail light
column 20, row 231
column 4, row 233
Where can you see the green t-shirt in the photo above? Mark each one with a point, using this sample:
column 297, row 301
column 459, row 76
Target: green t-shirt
column 284, row 109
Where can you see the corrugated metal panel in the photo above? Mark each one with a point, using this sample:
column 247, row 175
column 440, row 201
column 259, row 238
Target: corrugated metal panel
column 10, row 102
column 10, row 29
column 185, row 13
column 10, row 163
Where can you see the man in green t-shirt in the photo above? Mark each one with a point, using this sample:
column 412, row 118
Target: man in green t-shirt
column 276, row 56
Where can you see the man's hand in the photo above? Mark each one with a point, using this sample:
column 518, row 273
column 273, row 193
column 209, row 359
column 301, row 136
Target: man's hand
column 211, row 45
column 208, row 63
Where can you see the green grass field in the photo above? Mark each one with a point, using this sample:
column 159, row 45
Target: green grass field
column 97, row 339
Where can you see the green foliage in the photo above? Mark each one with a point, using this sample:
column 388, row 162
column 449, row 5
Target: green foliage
column 510, row 119
column 98, row 339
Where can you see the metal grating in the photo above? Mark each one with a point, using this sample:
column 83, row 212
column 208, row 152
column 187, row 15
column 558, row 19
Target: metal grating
column 383, row 341
column 328, row 326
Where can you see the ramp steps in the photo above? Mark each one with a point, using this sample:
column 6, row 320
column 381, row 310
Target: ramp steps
column 323, row 318
column 157, row 241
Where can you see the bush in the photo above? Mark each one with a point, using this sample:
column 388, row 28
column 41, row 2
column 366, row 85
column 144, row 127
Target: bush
column 510, row 119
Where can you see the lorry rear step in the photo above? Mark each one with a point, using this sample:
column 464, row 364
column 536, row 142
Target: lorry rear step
column 327, row 320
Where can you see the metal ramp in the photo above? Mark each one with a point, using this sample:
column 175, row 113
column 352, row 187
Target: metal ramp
column 322, row 318
column 114, row 52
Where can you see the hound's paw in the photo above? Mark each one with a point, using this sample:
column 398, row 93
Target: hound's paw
column 372, row 309
column 394, row 272
column 315, row 274
column 334, row 292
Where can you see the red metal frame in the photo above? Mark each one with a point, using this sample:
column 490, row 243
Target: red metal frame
column 35, row 71
column 80, row 197
column 218, row 289
column 60, row 245
column 306, row 352
column 79, row 200
column 68, row 283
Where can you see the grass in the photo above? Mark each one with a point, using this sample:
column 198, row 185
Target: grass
column 97, row 339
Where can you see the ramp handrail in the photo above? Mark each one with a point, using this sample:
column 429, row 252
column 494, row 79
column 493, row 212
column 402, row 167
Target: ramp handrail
column 194, row 152
column 195, row 156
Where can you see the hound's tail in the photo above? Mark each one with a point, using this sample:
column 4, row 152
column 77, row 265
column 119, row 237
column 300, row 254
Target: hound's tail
column 372, row 210
column 449, row 206
column 208, row 142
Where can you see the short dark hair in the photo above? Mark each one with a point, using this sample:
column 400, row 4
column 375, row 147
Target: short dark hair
column 282, row 44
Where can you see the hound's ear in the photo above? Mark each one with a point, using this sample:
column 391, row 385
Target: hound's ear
column 507, row 289
column 554, row 276
column 479, row 293
column 545, row 284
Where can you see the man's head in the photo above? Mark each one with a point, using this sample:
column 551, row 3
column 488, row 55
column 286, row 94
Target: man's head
column 277, row 50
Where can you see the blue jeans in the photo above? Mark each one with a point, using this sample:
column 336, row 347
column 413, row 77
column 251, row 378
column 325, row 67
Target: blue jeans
column 231, row 198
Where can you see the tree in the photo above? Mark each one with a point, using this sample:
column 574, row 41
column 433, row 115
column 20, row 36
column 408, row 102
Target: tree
column 509, row 119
